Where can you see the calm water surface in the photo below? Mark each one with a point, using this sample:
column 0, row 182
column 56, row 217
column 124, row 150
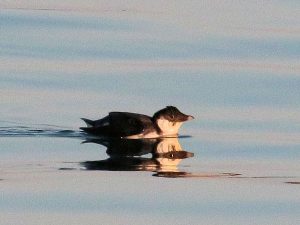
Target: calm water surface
column 234, row 66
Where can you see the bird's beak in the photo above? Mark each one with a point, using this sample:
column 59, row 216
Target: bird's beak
column 190, row 118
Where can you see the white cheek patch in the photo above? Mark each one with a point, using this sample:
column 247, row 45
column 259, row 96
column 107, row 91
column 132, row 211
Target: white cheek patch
column 167, row 127
column 163, row 125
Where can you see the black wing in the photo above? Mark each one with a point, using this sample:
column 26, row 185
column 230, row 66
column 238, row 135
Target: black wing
column 125, row 124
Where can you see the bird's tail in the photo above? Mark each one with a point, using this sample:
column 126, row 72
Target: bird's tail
column 89, row 123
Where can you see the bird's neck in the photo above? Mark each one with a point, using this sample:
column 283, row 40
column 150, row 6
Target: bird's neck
column 168, row 128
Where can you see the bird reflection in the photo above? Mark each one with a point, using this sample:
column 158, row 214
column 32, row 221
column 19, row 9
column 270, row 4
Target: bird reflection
column 161, row 156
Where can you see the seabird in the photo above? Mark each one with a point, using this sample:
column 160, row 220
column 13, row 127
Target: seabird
column 164, row 123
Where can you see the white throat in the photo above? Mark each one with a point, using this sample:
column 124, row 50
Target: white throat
column 168, row 128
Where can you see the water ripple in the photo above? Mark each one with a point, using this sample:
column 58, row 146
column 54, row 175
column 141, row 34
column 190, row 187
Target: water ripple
column 19, row 130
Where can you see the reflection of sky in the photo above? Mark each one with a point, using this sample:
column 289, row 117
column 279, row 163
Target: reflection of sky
column 84, row 194
column 59, row 35
column 199, row 88
column 233, row 65
column 93, row 203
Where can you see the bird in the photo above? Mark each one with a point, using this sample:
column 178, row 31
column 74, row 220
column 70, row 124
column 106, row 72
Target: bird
column 164, row 123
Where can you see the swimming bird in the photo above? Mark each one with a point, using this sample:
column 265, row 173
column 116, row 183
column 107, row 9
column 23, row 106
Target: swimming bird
column 164, row 123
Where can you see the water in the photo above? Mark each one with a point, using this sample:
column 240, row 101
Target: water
column 234, row 66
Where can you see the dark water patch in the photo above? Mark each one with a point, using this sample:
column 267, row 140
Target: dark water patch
column 194, row 175
column 292, row 182
column 264, row 177
column 185, row 136
column 64, row 168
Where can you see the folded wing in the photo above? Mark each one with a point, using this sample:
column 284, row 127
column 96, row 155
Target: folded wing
column 126, row 124
column 120, row 124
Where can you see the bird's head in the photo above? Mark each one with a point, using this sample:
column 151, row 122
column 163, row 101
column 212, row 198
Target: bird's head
column 169, row 120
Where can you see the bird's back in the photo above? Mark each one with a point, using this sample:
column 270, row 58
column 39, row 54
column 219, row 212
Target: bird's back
column 121, row 124
column 126, row 124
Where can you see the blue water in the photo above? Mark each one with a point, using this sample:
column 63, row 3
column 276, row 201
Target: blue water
column 238, row 75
